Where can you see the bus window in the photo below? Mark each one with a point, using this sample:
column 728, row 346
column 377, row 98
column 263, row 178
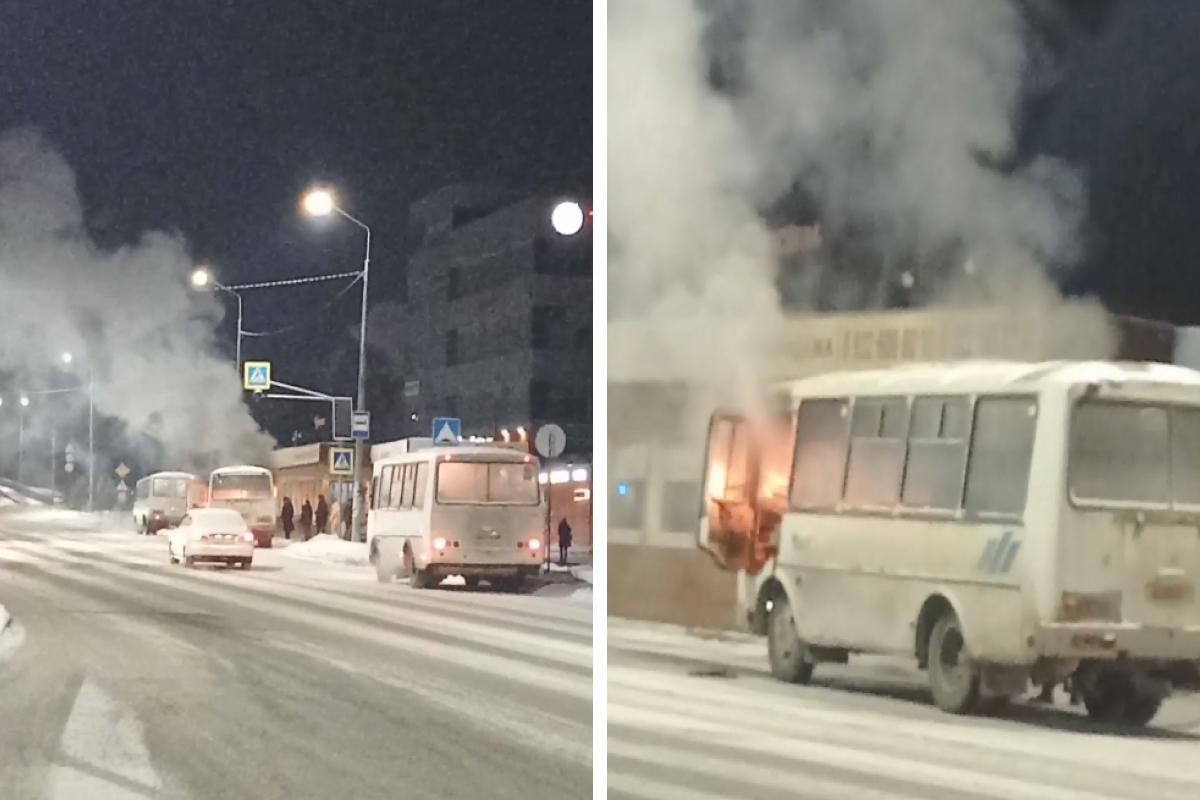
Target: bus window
column 509, row 483
column 937, row 453
column 1001, row 451
column 819, row 472
column 877, row 449
column 421, row 486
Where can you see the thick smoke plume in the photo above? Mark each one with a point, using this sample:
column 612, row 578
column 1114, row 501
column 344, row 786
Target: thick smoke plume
column 898, row 119
column 126, row 314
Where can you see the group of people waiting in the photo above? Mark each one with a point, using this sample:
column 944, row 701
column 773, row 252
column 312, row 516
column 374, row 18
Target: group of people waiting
column 334, row 518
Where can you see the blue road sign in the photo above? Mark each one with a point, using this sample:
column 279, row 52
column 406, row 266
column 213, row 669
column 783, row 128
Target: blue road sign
column 360, row 425
column 341, row 460
column 256, row 375
column 447, row 430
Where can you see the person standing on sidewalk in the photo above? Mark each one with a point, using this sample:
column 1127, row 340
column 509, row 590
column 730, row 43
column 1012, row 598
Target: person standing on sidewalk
column 564, row 541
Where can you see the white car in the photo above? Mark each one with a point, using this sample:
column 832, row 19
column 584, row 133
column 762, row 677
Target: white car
column 211, row 534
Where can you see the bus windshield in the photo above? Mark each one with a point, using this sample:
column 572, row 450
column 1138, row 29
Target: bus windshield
column 506, row 483
column 233, row 486
column 170, row 487
column 1135, row 454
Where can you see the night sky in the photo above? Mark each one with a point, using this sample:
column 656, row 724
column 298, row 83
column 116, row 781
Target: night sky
column 210, row 118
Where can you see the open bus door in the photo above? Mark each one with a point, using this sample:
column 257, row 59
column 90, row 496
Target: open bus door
column 745, row 489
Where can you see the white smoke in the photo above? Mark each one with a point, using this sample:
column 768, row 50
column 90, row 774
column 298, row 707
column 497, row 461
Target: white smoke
column 898, row 116
column 126, row 315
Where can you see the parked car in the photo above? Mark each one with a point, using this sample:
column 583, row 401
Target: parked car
column 214, row 535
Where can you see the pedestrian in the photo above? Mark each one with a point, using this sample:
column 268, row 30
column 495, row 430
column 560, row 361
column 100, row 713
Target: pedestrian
column 287, row 517
column 322, row 516
column 335, row 517
column 564, row 540
column 306, row 519
column 348, row 515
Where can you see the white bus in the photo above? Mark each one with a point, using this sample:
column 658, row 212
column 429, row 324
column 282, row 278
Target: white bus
column 1003, row 522
column 251, row 492
column 161, row 500
column 472, row 511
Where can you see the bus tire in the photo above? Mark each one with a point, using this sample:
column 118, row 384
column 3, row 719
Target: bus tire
column 953, row 678
column 786, row 652
column 188, row 561
column 383, row 572
column 419, row 579
column 1112, row 697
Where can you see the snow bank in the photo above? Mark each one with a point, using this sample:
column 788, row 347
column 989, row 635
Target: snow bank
column 571, row 593
column 328, row 549
column 584, row 574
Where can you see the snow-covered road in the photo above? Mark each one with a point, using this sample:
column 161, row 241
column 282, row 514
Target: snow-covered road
column 696, row 718
column 137, row 678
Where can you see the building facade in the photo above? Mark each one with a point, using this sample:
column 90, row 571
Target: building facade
column 496, row 325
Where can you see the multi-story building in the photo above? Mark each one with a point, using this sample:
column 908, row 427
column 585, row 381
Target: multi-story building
column 496, row 325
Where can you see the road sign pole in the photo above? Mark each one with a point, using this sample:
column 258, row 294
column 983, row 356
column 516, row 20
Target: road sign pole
column 91, row 506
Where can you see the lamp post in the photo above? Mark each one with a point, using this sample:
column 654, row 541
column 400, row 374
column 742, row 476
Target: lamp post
column 202, row 278
column 321, row 203
column 24, row 403
column 68, row 358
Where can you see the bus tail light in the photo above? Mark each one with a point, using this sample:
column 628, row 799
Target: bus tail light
column 534, row 544
column 439, row 543
column 248, row 536
column 1082, row 606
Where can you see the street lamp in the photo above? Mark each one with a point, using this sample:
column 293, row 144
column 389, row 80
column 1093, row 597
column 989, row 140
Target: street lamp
column 321, row 202
column 202, row 278
column 68, row 358
column 567, row 218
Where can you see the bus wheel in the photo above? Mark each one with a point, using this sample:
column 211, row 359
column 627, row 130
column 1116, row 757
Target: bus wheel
column 188, row 561
column 953, row 678
column 1113, row 696
column 383, row 572
column 787, row 654
column 419, row 579
column 472, row 581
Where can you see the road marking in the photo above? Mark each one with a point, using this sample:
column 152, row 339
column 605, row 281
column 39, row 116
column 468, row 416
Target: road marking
column 102, row 752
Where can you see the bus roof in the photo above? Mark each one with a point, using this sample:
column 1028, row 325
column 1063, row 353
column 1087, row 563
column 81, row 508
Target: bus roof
column 977, row 377
column 170, row 474
column 458, row 451
column 244, row 468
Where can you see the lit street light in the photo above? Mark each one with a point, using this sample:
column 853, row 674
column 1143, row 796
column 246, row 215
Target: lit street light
column 67, row 358
column 202, row 278
column 24, row 401
column 321, row 203
column 567, row 218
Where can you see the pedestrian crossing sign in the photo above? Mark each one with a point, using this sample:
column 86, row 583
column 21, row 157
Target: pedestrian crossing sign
column 447, row 430
column 256, row 376
column 341, row 460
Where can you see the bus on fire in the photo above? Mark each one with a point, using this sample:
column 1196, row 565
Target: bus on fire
column 1002, row 522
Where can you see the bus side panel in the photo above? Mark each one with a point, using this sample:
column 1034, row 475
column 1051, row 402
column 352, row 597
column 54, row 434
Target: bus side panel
column 861, row 581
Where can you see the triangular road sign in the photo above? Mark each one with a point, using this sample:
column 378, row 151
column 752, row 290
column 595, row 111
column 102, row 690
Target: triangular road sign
column 445, row 435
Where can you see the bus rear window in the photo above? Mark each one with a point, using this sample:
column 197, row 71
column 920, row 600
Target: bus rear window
column 510, row 483
column 234, row 485
column 1132, row 453
column 170, row 487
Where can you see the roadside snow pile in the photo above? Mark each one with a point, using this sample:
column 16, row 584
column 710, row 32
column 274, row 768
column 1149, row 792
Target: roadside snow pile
column 328, row 549
column 572, row 593
column 583, row 573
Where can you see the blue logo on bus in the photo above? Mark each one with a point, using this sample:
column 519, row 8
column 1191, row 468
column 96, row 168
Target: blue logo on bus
column 999, row 554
